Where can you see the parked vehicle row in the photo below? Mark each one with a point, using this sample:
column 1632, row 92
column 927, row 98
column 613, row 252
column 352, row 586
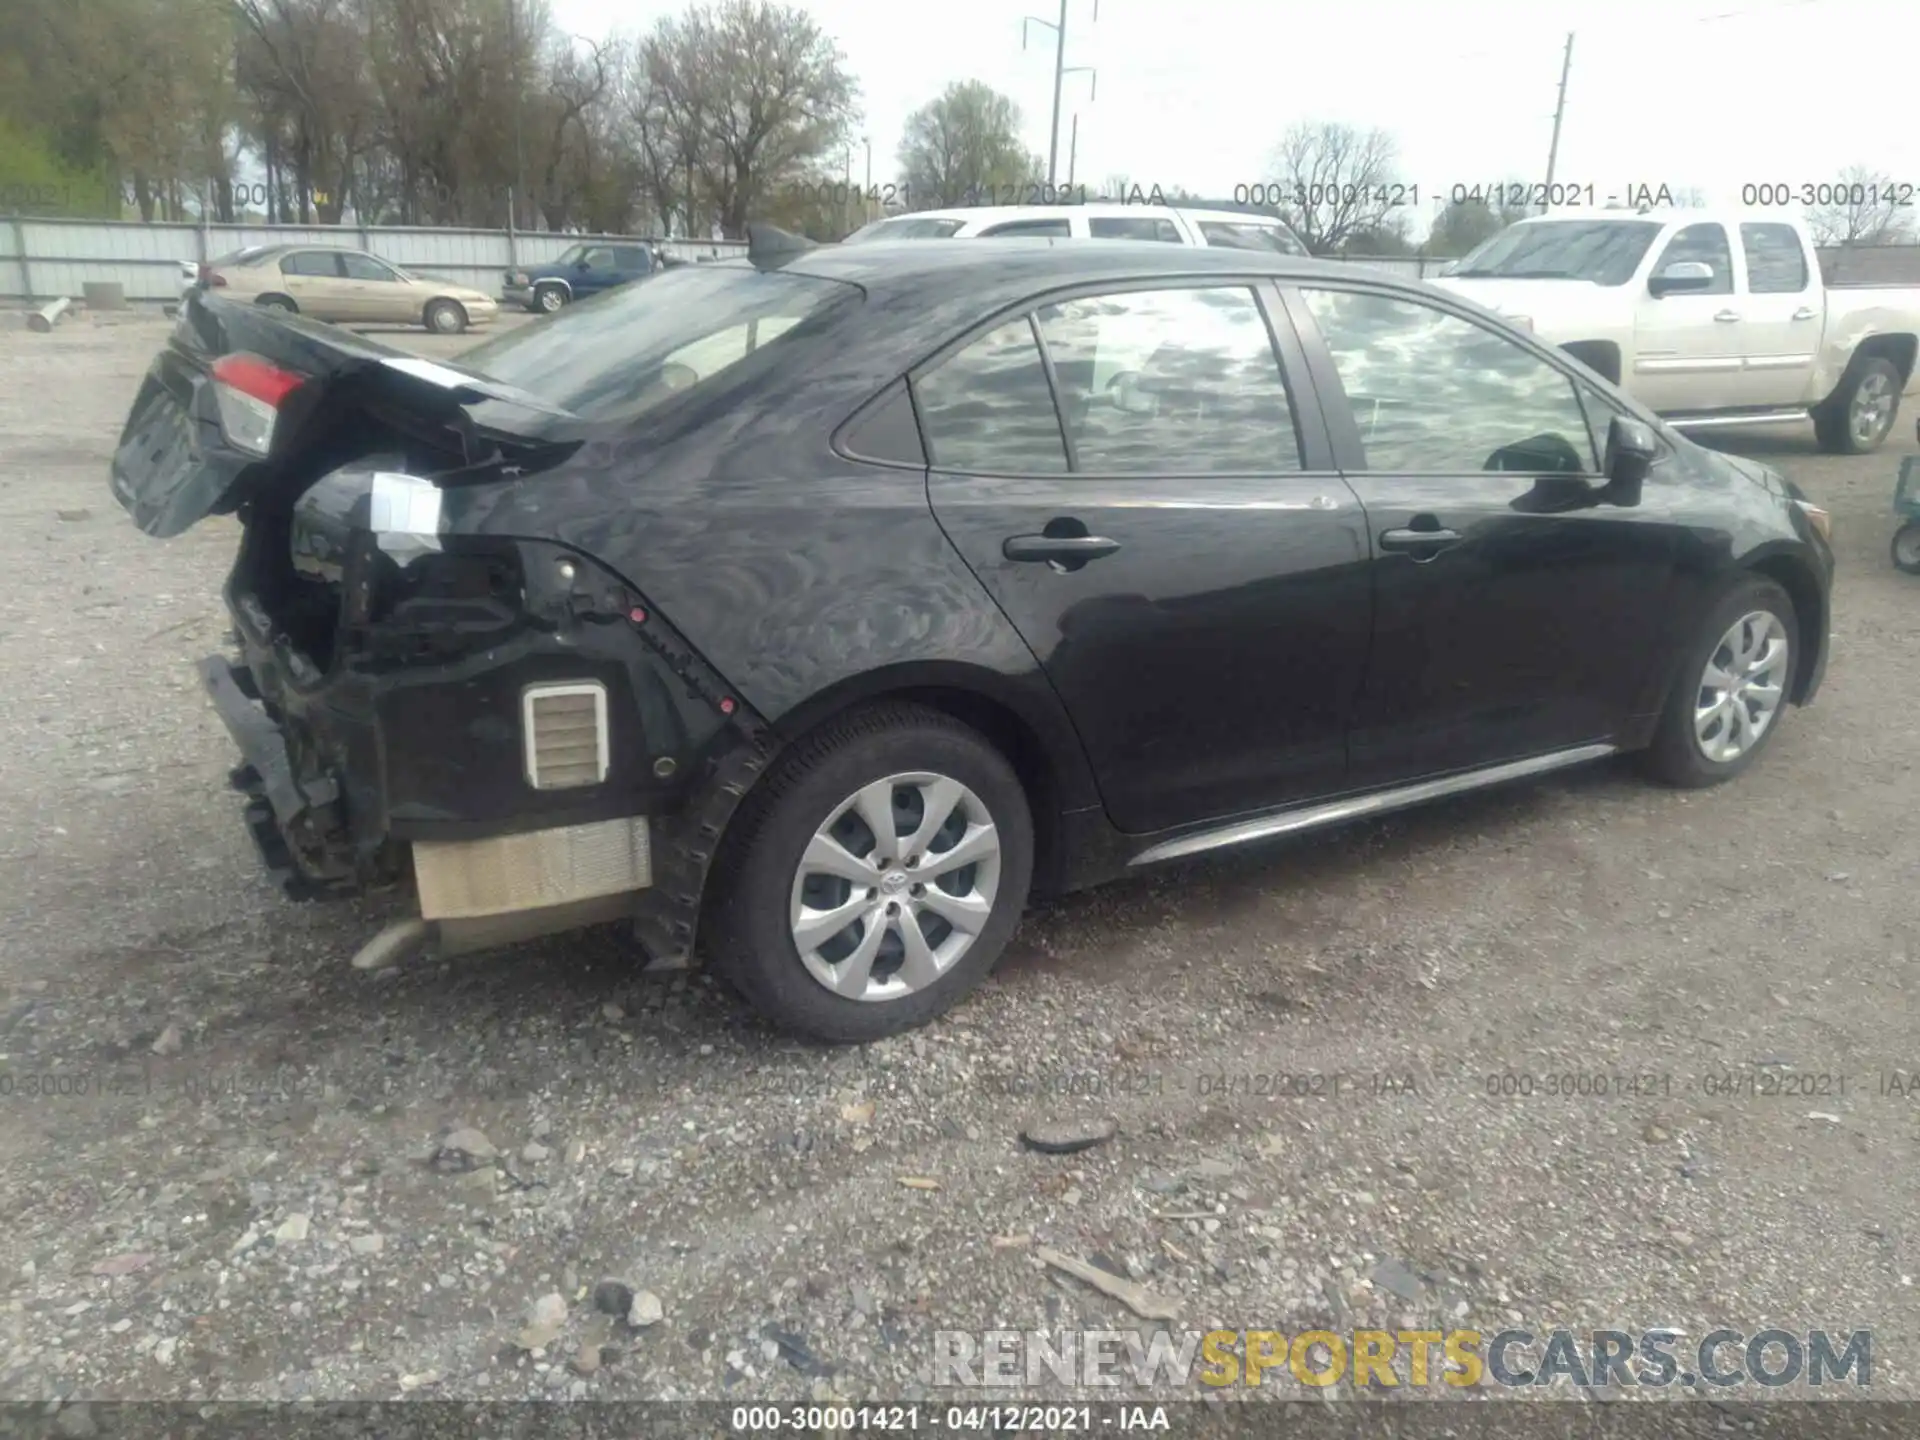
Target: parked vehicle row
column 1710, row 317
column 820, row 607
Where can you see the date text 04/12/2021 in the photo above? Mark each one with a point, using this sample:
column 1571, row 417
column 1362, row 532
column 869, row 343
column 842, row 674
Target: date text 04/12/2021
column 979, row 1419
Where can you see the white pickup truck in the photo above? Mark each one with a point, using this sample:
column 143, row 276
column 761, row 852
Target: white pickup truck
column 1708, row 317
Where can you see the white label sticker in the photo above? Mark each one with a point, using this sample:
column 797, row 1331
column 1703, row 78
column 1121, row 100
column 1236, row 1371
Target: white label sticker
column 405, row 514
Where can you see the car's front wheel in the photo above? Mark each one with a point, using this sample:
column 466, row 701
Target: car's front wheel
column 445, row 317
column 1727, row 700
column 874, row 876
column 549, row 298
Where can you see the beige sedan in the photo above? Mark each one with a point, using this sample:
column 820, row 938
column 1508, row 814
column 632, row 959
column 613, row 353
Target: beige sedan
column 347, row 287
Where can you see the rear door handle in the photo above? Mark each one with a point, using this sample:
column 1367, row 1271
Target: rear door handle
column 1418, row 539
column 1058, row 547
column 1727, row 317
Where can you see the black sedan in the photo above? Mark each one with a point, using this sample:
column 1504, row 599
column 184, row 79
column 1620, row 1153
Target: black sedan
column 827, row 604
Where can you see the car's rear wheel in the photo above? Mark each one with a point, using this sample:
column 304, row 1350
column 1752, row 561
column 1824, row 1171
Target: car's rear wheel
column 278, row 302
column 1727, row 700
column 1861, row 411
column 549, row 298
column 445, row 317
column 874, row 876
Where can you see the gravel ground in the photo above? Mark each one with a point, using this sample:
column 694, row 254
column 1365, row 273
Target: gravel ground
column 255, row 1197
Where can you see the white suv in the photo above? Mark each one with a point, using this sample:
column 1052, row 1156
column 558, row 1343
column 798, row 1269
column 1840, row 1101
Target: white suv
column 1174, row 225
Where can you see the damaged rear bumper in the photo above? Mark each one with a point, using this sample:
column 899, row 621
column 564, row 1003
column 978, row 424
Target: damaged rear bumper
column 295, row 827
column 410, row 758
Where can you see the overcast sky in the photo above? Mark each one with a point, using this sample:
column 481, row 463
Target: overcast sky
column 1709, row 93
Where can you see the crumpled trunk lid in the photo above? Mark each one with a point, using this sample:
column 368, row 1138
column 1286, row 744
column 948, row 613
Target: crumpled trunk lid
column 175, row 464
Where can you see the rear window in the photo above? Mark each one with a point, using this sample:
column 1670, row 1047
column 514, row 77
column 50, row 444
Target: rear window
column 1241, row 235
column 907, row 228
column 624, row 353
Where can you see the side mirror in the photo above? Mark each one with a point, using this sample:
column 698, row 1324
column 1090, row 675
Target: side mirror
column 1631, row 448
column 1682, row 276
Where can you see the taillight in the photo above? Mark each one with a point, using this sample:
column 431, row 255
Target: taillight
column 249, row 392
column 211, row 276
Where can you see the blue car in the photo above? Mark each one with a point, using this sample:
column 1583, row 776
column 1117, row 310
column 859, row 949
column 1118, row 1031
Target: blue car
column 582, row 270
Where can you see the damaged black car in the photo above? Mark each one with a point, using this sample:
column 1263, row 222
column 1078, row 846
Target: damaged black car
column 822, row 606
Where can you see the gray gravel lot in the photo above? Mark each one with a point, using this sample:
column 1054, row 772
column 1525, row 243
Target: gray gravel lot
column 244, row 1202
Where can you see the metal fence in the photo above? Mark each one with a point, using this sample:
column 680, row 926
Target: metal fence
column 43, row 259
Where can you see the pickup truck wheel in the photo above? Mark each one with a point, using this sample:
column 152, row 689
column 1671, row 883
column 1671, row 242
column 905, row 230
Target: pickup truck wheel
column 549, row 298
column 1858, row 415
column 446, row 317
column 874, row 876
column 1732, row 684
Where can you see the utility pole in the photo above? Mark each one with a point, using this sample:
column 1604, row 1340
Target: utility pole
column 518, row 197
column 1073, row 148
column 1060, row 72
column 1559, row 110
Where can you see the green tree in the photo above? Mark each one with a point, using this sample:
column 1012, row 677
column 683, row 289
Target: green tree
column 967, row 139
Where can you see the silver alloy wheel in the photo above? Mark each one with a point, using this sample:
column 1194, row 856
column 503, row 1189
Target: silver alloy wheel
column 895, row 886
column 550, row 299
column 1872, row 410
column 444, row 319
column 1741, row 687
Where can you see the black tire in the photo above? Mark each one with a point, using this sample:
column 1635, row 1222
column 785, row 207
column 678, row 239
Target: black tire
column 549, row 298
column 277, row 302
column 445, row 317
column 1906, row 548
column 1833, row 418
column 1675, row 757
column 749, row 937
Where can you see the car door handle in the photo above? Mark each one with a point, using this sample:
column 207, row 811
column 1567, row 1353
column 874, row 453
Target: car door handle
column 1805, row 312
column 1418, row 539
column 1727, row 317
column 1058, row 547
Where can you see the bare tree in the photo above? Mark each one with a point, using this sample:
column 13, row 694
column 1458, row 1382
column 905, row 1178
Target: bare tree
column 965, row 141
column 1471, row 221
column 751, row 96
column 303, row 63
column 1864, row 209
column 1338, row 183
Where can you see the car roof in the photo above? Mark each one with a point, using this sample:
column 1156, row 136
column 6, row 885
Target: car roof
column 906, row 267
column 995, row 214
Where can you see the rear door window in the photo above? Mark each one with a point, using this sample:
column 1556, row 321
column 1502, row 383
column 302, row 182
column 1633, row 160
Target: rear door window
column 989, row 409
column 1132, row 227
column 1238, row 235
column 1171, row 382
column 1776, row 263
column 312, row 262
column 1058, row 229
